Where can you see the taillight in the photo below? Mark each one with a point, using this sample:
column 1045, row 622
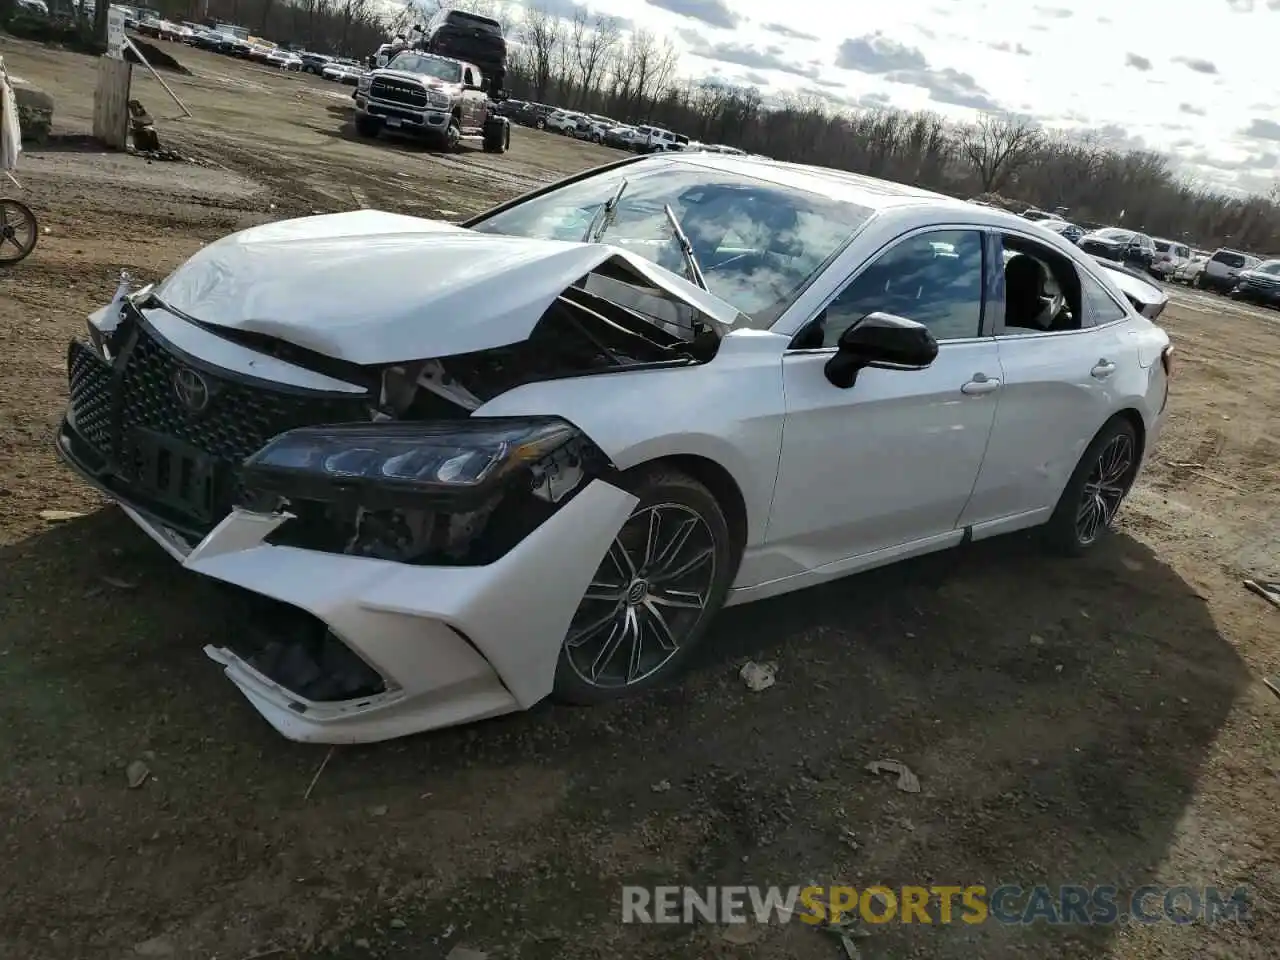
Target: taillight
column 1166, row 359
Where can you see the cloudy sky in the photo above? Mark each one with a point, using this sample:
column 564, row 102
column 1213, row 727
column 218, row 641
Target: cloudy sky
column 1200, row 82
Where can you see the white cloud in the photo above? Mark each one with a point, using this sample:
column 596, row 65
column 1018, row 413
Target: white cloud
column 1098, row 64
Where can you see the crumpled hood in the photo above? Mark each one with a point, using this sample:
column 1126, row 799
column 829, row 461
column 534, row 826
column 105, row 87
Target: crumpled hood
column 371, row 287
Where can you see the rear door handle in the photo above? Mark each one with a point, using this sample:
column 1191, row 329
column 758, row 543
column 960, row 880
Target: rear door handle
column 1103, row 369
column 981, row 384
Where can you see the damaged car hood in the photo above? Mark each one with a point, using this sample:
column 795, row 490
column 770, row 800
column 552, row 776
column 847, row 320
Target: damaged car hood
column 371, row 287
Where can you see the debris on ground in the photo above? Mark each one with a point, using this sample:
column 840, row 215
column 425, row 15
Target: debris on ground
column 136, row 774
column 758, row 676
column 1036, row 640
column 155, row 947
column 1269, row 590
column 846, row 929
column 741, row 934
column 142, row 127
column 466, row 953
column 319, row 770
column 59, row 516
column 379, row 811
column 908, row 782
column 118, row 583
column 662, row 786
column 1273, row 684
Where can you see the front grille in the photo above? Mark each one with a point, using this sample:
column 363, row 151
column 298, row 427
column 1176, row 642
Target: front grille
column 90, row 396
column 398, row 91
column 112, row 407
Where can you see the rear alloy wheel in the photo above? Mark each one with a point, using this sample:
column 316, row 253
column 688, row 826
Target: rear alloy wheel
column 1098, row 486
column 664, row 577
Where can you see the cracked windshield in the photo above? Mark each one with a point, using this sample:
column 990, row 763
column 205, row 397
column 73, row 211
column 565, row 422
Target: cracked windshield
column 757, row 243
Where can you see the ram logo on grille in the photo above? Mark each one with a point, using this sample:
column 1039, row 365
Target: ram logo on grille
column 398, row 92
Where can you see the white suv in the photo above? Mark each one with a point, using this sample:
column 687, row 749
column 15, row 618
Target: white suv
column 564, row 121
column 1222, row 269
column 1170, row 255
column 658, row 140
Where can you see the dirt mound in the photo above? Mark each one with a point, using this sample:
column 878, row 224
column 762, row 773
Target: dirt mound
column 155, row 56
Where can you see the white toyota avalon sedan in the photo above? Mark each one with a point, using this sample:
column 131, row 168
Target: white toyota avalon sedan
column 470, row 467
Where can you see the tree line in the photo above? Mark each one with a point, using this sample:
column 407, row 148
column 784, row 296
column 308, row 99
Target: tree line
column 589, row 62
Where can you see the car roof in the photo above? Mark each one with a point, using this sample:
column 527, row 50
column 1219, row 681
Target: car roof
column 839, row 185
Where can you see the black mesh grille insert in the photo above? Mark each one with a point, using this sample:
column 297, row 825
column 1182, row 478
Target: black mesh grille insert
column 398, row 91
column 90, row 396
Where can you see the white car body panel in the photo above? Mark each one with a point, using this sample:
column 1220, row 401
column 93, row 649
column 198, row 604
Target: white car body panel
column 292, row 280
column 831, row 480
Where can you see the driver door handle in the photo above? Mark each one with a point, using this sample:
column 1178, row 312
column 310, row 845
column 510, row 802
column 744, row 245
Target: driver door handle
column 981, row 384
column 1102, row 369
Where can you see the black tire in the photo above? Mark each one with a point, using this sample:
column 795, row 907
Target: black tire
column 1063, row 533
column 497, row 135
column 677, row 500
column 452, row 137
column 540, row 124
column 367, row 126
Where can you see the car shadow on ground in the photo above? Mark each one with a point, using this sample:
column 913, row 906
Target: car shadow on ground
column 1056, row 712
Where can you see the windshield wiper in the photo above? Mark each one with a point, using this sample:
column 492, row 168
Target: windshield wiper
column 604, row 216
column 686, row 248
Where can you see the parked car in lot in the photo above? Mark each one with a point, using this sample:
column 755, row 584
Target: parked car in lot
column 563, row 121
column 534, row 454
column 314, row 62
column 1170, row 255
column 284, row 60
column 1189, row 271
column 1123, row 246
column 1222, row 271
column 427, row 95
column 343, row 71
column 594, row 127
column 623, row 137
column 1260, row 284
column 1033, row 213
column 1064, row 228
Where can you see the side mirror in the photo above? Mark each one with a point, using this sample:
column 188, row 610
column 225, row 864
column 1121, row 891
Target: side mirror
column 880, row 340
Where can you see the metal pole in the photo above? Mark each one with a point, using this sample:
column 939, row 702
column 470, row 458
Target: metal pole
column 159, row 79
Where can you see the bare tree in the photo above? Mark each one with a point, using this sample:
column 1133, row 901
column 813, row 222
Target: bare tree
column 542, row 37
column 591, row 43
column 998, row 146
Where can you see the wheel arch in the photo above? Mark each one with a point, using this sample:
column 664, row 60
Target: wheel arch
column 718, row 481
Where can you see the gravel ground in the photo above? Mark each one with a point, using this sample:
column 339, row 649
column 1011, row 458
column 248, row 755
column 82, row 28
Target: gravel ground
column 1098, row 721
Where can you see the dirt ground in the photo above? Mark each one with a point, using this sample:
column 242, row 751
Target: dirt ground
column 1098, row 722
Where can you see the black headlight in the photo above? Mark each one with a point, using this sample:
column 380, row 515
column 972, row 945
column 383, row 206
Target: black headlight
column 380, row 466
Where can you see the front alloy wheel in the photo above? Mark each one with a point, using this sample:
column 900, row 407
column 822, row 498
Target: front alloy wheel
column 649, row 602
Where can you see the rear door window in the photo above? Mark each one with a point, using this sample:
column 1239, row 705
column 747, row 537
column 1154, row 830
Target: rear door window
column 1229, row 259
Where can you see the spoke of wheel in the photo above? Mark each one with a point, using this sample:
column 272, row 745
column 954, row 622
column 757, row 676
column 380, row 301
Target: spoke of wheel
column 637, row 645
column 611, row 592
column 579, row 637
column 684, row 568
column 610, row 647
column 661, row 630
column 622, row 560
column 683, row 599
column 4, row 215
column 651, row 538
column 668, row 554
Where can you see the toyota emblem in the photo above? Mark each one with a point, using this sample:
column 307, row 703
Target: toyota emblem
column 191, row 390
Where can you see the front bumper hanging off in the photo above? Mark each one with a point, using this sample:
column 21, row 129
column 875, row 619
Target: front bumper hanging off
column 453, row 644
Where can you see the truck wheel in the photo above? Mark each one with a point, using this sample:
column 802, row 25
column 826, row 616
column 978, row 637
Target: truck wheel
column 452, row 136
column 367, row 126
column 497, row 135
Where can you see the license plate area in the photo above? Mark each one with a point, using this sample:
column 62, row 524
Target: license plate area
column 393, row 121
column 172, row 473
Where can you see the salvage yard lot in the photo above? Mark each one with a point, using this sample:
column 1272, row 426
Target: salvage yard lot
column 1099, row 722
